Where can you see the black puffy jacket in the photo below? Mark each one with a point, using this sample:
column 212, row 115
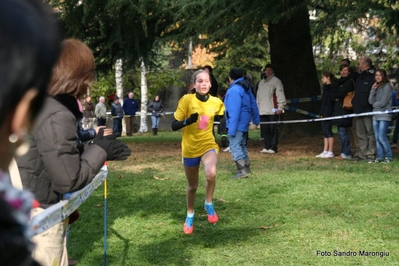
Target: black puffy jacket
column 363, row 85
column 327, row 101
column 345, row 85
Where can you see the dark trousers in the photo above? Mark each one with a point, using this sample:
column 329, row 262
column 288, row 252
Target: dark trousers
column 130, row 125
column 396, row 130
column 117, row 125
column 101, row 121
column 270, row 132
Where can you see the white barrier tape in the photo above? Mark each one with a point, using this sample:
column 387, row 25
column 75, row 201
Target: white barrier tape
column 60, row 211
column 139, row 114
column 332, row 118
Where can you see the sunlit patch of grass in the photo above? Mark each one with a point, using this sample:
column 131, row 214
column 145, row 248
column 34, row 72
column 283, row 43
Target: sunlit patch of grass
column 291, row 206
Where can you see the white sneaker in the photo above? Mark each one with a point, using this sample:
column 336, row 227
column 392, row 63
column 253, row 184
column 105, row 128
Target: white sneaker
column 321, row 155
column 328, row 155
column 267, row 151
column 227, row 149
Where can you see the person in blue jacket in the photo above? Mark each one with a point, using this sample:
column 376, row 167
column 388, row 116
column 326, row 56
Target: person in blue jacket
column 130, row 107
column 241, row 107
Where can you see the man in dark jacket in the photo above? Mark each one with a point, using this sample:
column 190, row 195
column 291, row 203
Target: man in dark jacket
column 130, row 107
column 117, row 115
column 364, row 124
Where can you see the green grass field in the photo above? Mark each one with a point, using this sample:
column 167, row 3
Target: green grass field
column 294, row 209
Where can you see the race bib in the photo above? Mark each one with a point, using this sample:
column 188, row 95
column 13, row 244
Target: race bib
column 203, row 122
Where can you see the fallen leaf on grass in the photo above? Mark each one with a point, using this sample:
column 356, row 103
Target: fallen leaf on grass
column 387, row 169
column 268, row 227
column 98, row 205
column 221, row 200
column 379, row 214
column 157, row 178
column 120, row 176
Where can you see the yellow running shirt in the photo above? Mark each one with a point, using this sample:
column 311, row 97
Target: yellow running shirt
column 198, row 137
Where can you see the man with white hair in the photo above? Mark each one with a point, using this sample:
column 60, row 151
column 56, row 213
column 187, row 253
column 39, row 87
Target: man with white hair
column 130, row 107
column 101, row 112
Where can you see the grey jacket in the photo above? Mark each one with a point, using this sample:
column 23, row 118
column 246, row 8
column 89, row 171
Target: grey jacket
column 381, row 100
column 101, row 110
column 53, row 165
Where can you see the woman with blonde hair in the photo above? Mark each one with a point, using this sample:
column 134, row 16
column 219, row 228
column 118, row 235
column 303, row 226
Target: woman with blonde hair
column 55, row 164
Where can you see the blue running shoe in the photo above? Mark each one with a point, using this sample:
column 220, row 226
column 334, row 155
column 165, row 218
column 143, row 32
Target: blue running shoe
column 188, row 227
column 212, row 216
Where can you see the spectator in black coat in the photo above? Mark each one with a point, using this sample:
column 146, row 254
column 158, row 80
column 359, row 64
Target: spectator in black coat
column 345, row 84
column 156, row 109
column 214, row 84
column 326, row 110
column 364, row 124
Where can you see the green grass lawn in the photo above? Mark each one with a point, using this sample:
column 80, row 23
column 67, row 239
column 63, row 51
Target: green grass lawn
column 292, row 210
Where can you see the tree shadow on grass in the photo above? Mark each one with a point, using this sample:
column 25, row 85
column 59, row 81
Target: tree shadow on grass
column 178, row 249
column 146, row 199
column 181, row 250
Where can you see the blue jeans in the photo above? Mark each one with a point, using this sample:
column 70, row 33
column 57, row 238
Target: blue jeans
column 345, row 140
column 117, row 125
column 383, row 146
column 238, row 146
column 154, row 121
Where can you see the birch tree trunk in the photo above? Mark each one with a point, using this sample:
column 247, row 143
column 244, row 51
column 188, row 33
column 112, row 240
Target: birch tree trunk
column 144, row 99
column 119, row 87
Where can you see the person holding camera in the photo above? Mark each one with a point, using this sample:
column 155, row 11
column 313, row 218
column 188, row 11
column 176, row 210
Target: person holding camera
column 54, row 165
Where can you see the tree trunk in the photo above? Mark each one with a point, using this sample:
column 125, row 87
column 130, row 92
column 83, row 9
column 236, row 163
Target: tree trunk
column 292, row 57
column 144, row 99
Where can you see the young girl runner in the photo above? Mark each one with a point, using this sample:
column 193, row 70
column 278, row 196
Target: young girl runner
column 195, row 113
